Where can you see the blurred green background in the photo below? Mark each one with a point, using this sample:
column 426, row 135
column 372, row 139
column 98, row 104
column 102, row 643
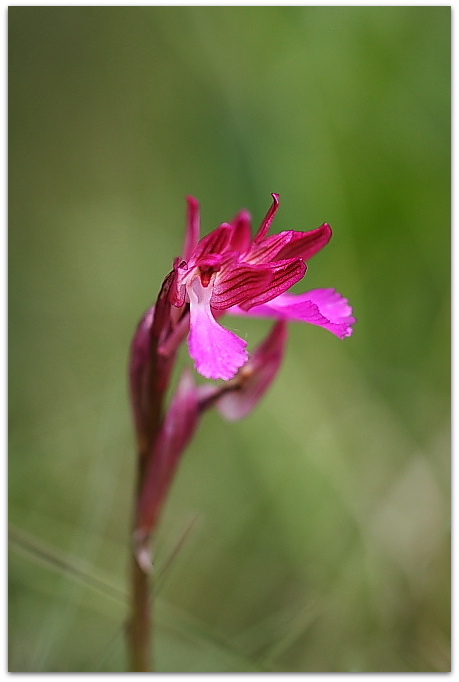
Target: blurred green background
column 317, row 530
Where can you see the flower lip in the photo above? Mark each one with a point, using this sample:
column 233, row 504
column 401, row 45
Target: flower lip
column 218, row 353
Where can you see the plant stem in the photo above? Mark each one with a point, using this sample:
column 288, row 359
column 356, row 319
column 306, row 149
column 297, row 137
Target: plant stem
column 150, row 371
column 140, row 623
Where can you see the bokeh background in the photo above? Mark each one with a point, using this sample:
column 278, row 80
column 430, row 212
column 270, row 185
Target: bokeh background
column 313, row 536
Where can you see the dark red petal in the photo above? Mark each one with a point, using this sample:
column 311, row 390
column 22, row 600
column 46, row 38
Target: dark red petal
column 268, row 219
column 284, row 275
column 242, row 232
column 306, row 244
column 268, row 249
column 215, row 242
column 235, row 285
column 193, row 227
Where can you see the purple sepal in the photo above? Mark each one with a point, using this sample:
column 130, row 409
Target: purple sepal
column 139, row 376
column 257, row 375
column 175, row 432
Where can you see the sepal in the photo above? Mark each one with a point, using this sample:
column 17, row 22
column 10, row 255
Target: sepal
column 176, row 431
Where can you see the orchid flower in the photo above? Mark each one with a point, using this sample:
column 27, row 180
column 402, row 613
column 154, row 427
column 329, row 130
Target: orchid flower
column 229, row 271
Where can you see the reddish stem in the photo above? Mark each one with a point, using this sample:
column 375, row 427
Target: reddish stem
column 150, row 372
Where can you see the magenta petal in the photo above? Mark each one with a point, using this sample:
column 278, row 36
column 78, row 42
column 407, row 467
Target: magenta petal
column 238, row 283
column 268, row 219
column 217, row 352
column 242, row 234
column 193, row 227
column 269, row 248
column 256, row 376
column 290, row 244
column 215, row 242
column 323, row 307
column 284, row 275
column 306, row 244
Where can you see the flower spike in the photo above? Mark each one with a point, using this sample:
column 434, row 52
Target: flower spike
column 227, row 271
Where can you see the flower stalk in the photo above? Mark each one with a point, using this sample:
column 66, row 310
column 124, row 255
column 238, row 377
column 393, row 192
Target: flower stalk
column 225, row 272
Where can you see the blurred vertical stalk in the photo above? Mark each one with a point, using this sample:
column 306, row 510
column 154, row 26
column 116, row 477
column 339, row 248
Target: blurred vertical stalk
column 149, row 375
column 162, row 436
column 139, row 632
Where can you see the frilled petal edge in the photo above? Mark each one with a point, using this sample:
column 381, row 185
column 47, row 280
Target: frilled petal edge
column 323, row 307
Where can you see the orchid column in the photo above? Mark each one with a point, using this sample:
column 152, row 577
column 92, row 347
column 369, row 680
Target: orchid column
column 226, row 272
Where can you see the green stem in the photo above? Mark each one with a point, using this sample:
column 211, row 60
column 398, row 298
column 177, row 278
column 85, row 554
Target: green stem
column 140, row 623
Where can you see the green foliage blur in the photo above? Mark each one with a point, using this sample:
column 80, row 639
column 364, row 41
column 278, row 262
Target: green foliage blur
column 313, row 536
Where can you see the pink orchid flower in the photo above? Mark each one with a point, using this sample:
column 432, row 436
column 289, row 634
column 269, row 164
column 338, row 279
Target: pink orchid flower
column 229, row 271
